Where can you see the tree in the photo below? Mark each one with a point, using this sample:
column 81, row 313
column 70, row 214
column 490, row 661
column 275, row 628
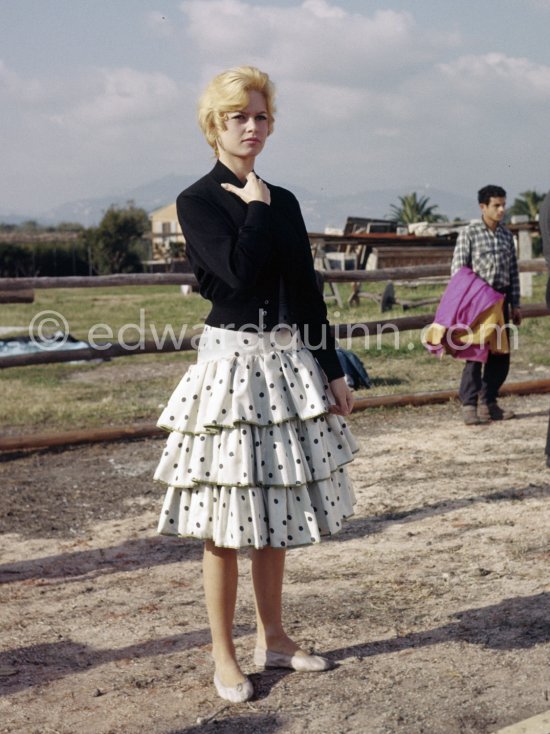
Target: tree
column 69, row 227
column 527, row 204
column 413, row 209
column 115, row 241
column 30, row 225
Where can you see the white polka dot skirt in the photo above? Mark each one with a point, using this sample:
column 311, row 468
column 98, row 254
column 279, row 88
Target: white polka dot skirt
column 253, row 458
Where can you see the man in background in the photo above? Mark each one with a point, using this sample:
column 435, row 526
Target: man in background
column 488, row 248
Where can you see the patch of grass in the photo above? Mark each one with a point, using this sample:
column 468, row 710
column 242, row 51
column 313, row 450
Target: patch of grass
column 67, row 396
column 118, row 308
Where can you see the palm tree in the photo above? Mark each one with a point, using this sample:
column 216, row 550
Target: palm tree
column 527, row 204
column 414, row 209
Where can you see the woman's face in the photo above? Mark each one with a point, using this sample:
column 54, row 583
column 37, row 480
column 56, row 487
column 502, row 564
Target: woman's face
column 245, row 130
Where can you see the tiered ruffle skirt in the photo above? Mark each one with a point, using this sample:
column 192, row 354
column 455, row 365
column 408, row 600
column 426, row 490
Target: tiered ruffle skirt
column 253, row 458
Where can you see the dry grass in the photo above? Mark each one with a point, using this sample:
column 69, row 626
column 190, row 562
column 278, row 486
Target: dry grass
column 133, row 389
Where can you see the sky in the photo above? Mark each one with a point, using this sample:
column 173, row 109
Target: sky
column 99, row 96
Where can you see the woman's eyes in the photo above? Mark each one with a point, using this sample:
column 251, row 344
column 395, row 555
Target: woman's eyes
column 241, row 116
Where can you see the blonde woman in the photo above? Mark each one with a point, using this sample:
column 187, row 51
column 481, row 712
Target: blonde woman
column 258, row 442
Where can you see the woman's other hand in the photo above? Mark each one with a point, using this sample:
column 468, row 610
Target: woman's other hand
column 254, row 190
column 343, row 396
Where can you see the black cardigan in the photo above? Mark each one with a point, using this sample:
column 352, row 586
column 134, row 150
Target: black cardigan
column 240, row 252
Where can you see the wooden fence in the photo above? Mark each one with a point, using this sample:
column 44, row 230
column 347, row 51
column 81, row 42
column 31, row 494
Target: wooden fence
column 341, row 331
column 47, row 440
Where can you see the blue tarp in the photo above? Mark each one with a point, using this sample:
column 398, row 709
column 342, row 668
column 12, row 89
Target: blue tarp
column 16, row 345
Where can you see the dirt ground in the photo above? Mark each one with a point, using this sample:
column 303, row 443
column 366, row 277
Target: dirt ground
column 434, row 602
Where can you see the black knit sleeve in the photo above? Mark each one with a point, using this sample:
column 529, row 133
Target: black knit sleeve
column 313, row 324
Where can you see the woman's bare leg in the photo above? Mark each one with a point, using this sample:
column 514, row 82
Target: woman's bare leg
column 268, row 566
column 220, row 577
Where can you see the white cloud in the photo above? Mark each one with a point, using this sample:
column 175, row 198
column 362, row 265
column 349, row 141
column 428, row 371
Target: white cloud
column 88, row 133
column 118, row 95
column 316, row 40
column 499, row 75
column 20, row 89
column 366, row 100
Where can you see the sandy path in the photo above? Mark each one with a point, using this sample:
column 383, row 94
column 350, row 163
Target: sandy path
column 434, row 600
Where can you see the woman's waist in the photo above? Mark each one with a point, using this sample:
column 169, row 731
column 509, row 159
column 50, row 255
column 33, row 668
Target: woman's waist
column 219, row 343
column 261, row 315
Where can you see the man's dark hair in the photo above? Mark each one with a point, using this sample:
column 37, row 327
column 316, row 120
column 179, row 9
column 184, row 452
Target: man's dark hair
column 484, row 195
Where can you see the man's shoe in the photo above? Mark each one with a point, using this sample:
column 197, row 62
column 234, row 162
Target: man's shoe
column 471, row 416
column 493, row 412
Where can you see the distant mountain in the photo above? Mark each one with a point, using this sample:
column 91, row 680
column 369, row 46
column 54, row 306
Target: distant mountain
column 319, row 210
column 13, row 218
column 150, row 196
column 325, row 211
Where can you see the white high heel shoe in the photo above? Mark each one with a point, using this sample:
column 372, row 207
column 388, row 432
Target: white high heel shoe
column 236, row 694
column 301, row 663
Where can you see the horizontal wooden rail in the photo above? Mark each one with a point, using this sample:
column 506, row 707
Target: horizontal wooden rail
column 341, row 331
column 412, row 272
column 99, row 281
column 51, row 356
column 443, row 396
column 73, row 438
column 47, row 440
column 17, row 296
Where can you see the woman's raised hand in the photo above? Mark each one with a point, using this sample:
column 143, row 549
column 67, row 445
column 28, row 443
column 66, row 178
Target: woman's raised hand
column 254, row 190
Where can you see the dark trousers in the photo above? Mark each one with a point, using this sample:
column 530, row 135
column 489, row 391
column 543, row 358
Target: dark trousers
column 483, row 381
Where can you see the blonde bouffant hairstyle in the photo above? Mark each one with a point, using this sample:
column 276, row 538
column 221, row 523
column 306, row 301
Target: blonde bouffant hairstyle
column 229, row 92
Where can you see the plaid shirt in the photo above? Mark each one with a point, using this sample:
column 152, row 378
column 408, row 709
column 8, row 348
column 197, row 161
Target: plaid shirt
column 491, row 255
